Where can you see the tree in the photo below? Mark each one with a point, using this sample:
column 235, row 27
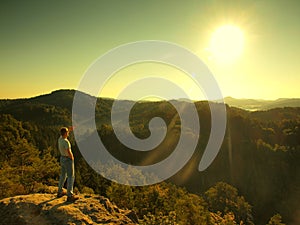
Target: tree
column 224, row 198
column 150, row 219
column 275, row 220
column 25, row 169
column 191, row 209
column 120, row 194
column 22, row 166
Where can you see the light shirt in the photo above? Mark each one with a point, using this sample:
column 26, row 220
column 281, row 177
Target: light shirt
column 63, row 146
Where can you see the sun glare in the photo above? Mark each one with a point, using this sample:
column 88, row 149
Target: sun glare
column 226, row 43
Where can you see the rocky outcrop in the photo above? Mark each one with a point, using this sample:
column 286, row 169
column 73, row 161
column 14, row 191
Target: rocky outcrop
column 46, row 209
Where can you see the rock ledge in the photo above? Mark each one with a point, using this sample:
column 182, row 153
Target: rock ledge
column 46, row 209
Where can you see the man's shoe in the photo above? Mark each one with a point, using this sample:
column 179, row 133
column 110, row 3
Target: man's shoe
column 72, row 198
column 60, row 194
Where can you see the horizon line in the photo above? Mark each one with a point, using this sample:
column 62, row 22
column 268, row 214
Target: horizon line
column 140, row 100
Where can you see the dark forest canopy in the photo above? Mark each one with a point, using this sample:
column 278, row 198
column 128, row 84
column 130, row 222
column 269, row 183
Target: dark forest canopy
column 255, row 176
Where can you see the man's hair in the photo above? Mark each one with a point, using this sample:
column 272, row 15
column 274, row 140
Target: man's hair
column 63, row 130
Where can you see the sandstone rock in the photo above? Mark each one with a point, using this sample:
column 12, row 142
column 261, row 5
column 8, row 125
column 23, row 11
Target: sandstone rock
column 46, row 209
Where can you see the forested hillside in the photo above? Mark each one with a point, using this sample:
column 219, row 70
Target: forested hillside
column 255, row 176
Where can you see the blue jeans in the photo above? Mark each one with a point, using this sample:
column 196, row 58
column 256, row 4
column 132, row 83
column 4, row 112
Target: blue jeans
column 67, row 172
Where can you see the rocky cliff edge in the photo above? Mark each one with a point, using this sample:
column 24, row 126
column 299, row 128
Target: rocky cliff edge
column 46, row 209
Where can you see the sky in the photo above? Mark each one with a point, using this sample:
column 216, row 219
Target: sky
column 49, row 45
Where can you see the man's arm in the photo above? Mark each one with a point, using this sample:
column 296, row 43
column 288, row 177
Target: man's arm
column 70, row 154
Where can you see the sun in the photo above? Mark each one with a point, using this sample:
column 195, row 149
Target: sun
column 227, row 43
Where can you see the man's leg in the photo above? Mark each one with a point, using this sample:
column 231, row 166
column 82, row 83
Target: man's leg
column 70, row 176
column 63, row 175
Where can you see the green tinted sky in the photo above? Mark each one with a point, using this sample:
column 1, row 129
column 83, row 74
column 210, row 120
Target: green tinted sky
column 48, row 45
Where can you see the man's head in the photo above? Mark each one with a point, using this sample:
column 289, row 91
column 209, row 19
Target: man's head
column 64, row 132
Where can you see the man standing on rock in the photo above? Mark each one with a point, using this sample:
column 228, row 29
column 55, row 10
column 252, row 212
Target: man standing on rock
column 67, row 165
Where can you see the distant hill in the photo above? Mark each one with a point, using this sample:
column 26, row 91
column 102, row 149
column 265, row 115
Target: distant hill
column 258, row 104
column 63, row 99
